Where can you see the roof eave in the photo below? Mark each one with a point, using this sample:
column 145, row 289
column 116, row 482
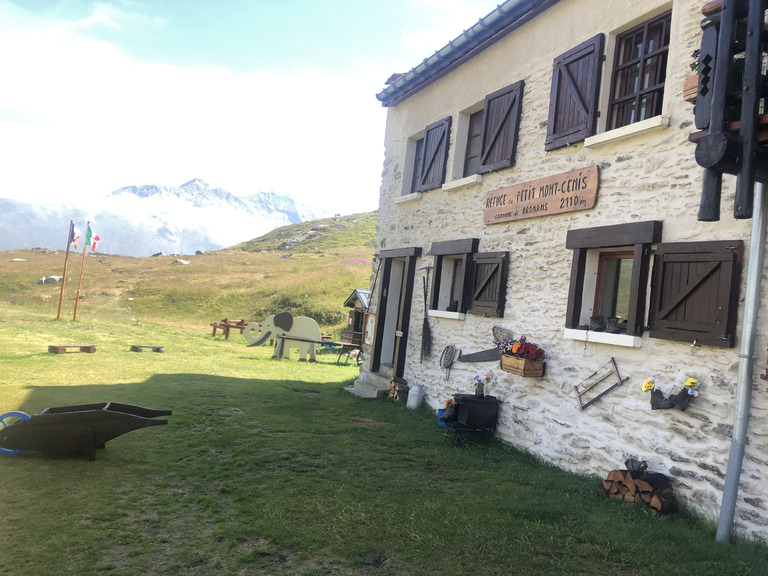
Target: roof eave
column 504, row 19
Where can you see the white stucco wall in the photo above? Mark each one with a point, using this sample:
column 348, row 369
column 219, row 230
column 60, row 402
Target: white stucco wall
column 650, row 176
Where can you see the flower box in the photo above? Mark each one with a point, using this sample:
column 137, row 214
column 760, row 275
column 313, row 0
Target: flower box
column 522, row 366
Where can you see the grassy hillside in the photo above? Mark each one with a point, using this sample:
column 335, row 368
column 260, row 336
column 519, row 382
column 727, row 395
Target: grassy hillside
column 319, row 235
column 308, row 268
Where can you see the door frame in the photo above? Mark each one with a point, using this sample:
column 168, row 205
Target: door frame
column 404, row 315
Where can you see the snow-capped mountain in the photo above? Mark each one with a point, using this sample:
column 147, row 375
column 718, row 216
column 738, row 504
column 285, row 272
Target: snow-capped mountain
column 145, row 220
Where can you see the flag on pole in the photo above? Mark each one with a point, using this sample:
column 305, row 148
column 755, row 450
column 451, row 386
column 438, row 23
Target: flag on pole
column 91, row 239
column 74, row 236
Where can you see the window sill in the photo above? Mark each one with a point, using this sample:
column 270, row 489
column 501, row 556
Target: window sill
column 462, row 182
column 444, row 314
column 625, row 132
column 408, row 198
column 603, row 338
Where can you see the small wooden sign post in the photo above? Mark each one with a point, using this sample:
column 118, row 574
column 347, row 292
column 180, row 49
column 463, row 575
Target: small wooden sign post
column 566, row 192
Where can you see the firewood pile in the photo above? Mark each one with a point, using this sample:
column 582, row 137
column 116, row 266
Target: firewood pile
column 398, row 389
column 635, row 485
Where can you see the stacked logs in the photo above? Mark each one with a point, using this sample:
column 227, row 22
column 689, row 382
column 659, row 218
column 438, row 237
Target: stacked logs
column 637, row 486
column 398, row 389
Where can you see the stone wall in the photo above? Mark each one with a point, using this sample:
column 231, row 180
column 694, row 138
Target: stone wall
column 651, row 176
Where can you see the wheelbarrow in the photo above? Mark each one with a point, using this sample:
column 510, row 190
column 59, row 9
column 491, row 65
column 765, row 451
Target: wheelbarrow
column 73, row 428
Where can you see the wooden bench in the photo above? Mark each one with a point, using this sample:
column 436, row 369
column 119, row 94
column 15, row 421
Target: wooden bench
column 226, row 325
column 140, row 348
column 63, row 348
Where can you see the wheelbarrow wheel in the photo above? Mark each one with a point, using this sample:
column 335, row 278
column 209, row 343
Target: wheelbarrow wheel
column 8, row 419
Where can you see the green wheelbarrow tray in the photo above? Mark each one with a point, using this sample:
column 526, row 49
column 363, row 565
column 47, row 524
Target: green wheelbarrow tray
column 81, row 428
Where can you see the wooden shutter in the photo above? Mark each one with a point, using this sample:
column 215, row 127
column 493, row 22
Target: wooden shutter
column 574, row 94
column 435, row 157
column 501, row 121
column 489, row 284
column 696, row 292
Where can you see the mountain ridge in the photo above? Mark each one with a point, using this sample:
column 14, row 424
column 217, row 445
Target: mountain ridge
column 147, row 219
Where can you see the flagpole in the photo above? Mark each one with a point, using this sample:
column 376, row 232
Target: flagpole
column 66, row 257
column 82, row 267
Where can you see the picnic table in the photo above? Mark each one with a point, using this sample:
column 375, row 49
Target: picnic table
column 226, row 325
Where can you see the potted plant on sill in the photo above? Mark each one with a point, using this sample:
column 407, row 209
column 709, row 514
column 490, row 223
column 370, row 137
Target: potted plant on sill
column 522, row 357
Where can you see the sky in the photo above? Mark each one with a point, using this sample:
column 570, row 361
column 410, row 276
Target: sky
column 247, row 95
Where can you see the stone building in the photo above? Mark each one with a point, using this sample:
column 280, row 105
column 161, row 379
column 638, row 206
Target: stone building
column 538, row 174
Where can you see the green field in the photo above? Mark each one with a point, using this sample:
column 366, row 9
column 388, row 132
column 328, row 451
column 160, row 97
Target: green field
column 270, row 466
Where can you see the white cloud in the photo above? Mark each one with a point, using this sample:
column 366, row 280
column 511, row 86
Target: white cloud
column 105, row 120
column 80, row 118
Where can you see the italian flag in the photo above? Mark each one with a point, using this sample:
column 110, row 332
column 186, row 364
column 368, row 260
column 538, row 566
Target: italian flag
column 91, row 239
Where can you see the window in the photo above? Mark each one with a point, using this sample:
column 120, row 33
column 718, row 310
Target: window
column 501, row 122
column 639, row 72
column 696, row 292
column 453, row 262
column 573, row 101
column 694, row 285
column 468, row 281
column 609, row 274
column 426, row 158
column 613, row 287
column 472, row 155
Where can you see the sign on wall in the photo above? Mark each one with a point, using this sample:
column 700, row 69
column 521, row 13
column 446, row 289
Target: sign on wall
column 566, row 192
column 369, row 328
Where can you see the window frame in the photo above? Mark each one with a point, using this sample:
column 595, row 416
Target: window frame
column 604, row 257
column 462, row 249
column 639, row 236
column 657, row 89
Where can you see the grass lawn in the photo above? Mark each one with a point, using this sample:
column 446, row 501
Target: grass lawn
column 270, row 467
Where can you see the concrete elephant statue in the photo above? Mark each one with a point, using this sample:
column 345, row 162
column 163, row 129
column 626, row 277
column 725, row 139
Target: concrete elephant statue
column 300, row 332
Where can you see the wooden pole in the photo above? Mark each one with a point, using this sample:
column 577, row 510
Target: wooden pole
column 66, row 258
column 82, row 267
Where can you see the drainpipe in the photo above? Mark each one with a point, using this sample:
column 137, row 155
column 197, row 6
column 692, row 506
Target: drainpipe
column 746, row 357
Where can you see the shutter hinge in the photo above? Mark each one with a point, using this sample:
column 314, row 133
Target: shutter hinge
column 598, row 113
column 604, row 58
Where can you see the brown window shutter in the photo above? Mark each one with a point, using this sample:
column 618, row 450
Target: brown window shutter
column 500, row 126
column 435, row 157
column 696, row 291
column 489, row 284
column 574, row 94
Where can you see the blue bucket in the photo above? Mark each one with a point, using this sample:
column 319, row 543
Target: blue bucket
column 440, row 415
